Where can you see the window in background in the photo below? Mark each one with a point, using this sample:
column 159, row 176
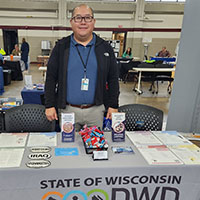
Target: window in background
column 172, row 0
column 166, row 0
column 126, row 0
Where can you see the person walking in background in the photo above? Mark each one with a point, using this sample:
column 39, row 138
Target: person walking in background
column 163, row 53
column 25, row 52
column 16, row 51
column 128, row 53
column 82, row 74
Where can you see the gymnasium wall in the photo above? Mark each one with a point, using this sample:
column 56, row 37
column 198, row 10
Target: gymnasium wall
column 158, row 25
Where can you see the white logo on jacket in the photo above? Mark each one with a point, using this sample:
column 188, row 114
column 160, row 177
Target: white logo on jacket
column 106, row 54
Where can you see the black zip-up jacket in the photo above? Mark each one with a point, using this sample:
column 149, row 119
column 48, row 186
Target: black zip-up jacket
column 55, row 86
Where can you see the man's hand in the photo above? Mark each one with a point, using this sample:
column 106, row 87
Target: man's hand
column 110, row 111
column 51, row 114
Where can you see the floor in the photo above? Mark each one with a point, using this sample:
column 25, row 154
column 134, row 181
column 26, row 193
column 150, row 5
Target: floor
column 127, row 95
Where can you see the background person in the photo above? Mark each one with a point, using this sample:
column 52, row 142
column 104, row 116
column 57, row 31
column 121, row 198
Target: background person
column 163, row 53
column 2, row 52
column 82, row 74
column 16, row 51
column 25, row 52
column 1, row 60
column 127, row 53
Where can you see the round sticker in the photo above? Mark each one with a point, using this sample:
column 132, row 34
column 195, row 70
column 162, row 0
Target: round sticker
column 118, row 127
column 38, row 163
column 68, row 127
column 39, row 156
column 40, row 149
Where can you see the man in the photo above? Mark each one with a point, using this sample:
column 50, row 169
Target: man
column 16, row 51
column 82, row 74
column 164, row 53
column 24, row 52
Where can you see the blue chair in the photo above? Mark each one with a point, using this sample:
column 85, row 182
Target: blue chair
column 1, row 81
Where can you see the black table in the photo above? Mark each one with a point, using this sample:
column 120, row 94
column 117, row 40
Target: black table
column 14, row 66
column 123, row 59
column 126, row 66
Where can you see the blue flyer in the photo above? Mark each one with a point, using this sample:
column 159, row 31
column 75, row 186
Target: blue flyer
column 66, row 151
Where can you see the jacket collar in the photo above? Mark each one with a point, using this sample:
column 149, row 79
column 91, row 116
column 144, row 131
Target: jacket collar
column 98, row 40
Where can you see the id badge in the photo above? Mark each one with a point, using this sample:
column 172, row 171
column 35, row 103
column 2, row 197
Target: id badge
column 84, row 84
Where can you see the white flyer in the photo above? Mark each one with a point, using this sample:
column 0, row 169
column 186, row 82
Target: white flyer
column 11, row 157
column 42, row 139
column 13, row 139
column 140, row 138
column 159, row 155
column 171, row 138
column 189, row 154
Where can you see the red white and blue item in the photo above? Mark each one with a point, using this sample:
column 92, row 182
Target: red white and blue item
column 93, row 139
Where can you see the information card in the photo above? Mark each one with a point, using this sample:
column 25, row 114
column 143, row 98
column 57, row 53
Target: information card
column 118, row 127
column 68, row 127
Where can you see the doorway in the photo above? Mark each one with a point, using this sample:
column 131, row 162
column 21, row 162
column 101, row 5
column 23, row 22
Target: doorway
column 121, row 36
column 10, row 38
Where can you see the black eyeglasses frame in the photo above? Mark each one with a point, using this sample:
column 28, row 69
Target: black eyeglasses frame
column 85, row 17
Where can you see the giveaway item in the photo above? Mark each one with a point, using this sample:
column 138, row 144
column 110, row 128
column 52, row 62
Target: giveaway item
column 122, row 150
column 68, row 127
column 107, row 124
column 118, row 127
column 93, row 139
column 40, row 86
column 100, row 155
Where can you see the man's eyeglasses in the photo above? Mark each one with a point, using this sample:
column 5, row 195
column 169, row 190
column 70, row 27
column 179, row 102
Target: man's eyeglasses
column 79, row 18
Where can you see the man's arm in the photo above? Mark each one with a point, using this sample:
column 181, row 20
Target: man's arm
column 113, row 86
column 50, row 86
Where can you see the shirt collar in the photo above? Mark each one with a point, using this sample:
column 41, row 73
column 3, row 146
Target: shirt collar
column 92, row 42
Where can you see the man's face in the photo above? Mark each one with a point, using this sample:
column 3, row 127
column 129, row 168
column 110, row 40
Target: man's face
column 82, row 30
